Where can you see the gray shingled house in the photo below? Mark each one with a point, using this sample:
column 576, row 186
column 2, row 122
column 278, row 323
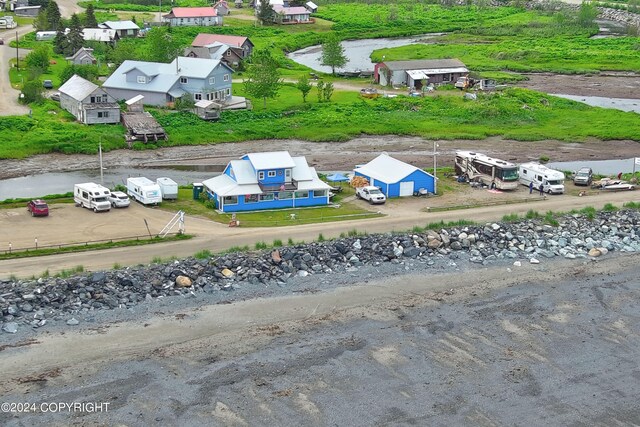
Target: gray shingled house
column 88, row 102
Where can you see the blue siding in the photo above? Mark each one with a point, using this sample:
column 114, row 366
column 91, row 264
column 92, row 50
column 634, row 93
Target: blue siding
column 271, row 204
column 278, row 179
column 420, row 178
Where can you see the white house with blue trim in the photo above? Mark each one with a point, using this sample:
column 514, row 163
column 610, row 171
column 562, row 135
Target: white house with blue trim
column 395, row 178
column 272, row 180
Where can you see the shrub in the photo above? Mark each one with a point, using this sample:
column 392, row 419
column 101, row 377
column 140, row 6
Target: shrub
column 203, row 254
column 261, row 245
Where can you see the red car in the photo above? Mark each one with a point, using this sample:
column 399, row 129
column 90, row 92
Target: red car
column 38, row 208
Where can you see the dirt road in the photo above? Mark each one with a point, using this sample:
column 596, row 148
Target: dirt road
column 216, row 238
column 9, row 104
column 555, row 344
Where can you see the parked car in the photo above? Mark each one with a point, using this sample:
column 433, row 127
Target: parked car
column 583, row 177
column 55, row 96
column 48, row 84
column 118, row 199
column 371, row 194
column 38, row 208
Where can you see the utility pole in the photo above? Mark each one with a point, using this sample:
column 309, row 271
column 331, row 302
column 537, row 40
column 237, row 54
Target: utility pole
column 100, row 155
column 435, row 179
column 17, row 54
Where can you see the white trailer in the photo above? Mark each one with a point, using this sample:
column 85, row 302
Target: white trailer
column 168, row 188
column 92, row 196
column 7, row 22
column 144, row 190
column 45, row 35
column 552, row 181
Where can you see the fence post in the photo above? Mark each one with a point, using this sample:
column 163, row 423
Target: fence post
column 36, row 239
column 9, row 247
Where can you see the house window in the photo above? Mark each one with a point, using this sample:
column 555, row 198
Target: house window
column 142, row 79
column 302, row 194
column 287, row 174
column 215, row 95
column 229, row 53
column 227, row 92
column 226, row 77
column 210, row 97
column 285, row 195
column 446, row 77
column 184, row 80
column 251, row 198
column 230, row 200
column 267, row 197
column 104, row 98
column 271, row 174
column 93, row 100
column 260, row 175
column 319, row 193
column 197, row 96
column 103, row 114
column 212, row 80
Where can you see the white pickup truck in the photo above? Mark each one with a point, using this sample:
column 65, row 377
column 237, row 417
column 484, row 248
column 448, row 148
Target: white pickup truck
column 371, row 194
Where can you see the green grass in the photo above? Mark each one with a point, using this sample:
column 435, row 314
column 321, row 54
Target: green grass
column 271, row 218
column 51, row 198
column 89, row 247
column 203, row 254
column 65, row 274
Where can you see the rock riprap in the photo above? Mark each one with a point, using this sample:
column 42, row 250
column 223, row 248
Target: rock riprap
column 33, row 303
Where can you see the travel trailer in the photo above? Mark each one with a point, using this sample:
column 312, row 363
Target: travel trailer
column 494, row 173
column 552, row 180
column 45, row 35
column 168, row 188
column 144, row 190
column 92, row 196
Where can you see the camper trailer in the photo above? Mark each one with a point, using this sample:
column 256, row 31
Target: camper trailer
column 92, row 196
column 552, row 180
column 7, row 22
column 168, row 188
column 45, row 35
column 144, row 190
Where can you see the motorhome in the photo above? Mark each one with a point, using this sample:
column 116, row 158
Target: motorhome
column 552, row 181
column 144, row 190
column 168, row 188
column 45, row 35
column 494, row 173
column 92, row 196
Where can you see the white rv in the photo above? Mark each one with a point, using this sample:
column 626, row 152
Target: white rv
column 45, row 35
column 144, row 190
column 168, row 188
column 552, row 180
column 92, row 196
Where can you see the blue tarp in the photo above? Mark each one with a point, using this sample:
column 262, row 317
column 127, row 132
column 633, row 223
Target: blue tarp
column 337, row 177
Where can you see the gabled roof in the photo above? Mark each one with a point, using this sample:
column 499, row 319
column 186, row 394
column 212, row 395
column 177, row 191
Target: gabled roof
column 311, row 5
column 119, row 25
column 270, row 160
column 423, row 64
column 315, row 183
column 225, row 186
column 204, row 39
column 243, row 172
column 164, row 75
column 387, row 169
column 83, row 51
column 78, row 88
column 192, row 12
column 297, row 10
column 302, row 171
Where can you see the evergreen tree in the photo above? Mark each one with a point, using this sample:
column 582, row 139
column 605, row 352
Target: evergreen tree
column 90, row 20
column 75, row 40
column 333, row 54
column 53, row 16
column 264, row 79
column 265, row 12
column 304, row 86
column 41, row 23
column 60, row 43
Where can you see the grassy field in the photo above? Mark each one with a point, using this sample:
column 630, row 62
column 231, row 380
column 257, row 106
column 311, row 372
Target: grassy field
column 514, row 114
column 272, row 218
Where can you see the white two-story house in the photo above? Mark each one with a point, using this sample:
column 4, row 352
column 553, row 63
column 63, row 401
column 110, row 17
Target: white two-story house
column 161, row 84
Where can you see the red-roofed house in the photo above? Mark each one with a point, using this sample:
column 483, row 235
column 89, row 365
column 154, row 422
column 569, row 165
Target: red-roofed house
column 241, row 46
column 192, row 16
column 292, row 15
